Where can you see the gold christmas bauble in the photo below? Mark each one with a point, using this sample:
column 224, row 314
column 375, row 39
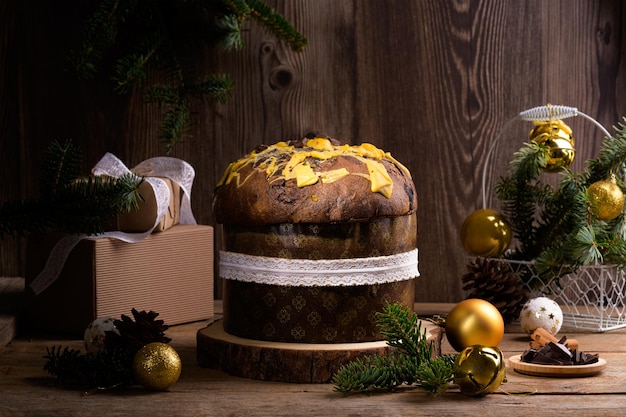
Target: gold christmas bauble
column 485, row 233
column 558, row 137
column 479, row 370
column 474, row 322
column 607, row 198
column 156, row 366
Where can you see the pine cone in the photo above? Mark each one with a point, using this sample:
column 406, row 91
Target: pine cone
column 493, row 281
column 133, row 335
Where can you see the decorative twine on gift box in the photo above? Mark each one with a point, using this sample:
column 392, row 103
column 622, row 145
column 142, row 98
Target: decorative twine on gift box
column 176, row 170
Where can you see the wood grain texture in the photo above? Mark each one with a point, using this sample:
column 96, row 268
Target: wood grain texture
column 11, row 249
column 27, row 390
column 287, row 362
column 434, row 83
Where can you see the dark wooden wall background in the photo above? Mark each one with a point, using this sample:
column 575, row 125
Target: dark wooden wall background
column 432, row 82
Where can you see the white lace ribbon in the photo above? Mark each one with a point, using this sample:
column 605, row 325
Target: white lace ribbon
column 176, row 170
column 323, row 272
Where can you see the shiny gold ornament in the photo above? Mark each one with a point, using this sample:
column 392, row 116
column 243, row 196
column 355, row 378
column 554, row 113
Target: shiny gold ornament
column 485, row 233
column 479, row 370
column 607, row 198
column 474, row 322
column 558, row 137
column 156, row 366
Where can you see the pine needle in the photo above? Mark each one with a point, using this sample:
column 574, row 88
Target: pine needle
column 411, row 361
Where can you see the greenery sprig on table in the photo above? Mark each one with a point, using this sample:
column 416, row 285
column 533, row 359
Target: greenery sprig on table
column 410, row 362
column 556, row 226
column 111, row 366
column 127, row 38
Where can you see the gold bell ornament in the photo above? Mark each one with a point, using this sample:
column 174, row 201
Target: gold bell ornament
column 479, row 370
column 485, row 233
column 606, row 198
column 558, row 137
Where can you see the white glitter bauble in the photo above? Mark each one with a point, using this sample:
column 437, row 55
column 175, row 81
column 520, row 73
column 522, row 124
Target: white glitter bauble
column 95, row 333
column 541, row 312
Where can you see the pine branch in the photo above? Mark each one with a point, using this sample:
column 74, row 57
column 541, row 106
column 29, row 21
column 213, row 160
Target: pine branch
column 435, row 375
column 100, row 370
column 175, row 123
column 111, row 366
column 403, row 330
column 87, row 204
column 557, row 227
column 611, row 157
column 228, row 33
column 372, row 373
column 137, row 36
column 411, row 362
column 20, row 217
column 276, row 24
column 61, row 166
column 69, row 203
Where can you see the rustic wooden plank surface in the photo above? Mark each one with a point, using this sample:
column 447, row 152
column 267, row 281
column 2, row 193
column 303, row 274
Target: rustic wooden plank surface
column 432, row 82
column 28, row 391
column 11, row 304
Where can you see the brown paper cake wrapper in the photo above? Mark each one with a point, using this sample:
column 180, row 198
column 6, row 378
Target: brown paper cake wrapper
column 316, row 314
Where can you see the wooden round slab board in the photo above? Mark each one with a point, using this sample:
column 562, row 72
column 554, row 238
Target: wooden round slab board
column 286, row 362
column 556, row 370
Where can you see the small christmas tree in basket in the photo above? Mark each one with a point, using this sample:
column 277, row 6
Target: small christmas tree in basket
column 565, row 239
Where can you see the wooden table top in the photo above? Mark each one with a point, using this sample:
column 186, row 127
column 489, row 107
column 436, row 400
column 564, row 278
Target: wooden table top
column 26, row 389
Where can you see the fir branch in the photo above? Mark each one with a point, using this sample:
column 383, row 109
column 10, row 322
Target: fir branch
column 175, row 123
column 557, row 228
column 18, row 218
column 111, row 366
column 615, row 251
column 69, row 203
column 61, row 166
column 136, row 36
column 228, row 33
column 435, row 375
column 611, row 158
column 102, row 369
column 411, row 362
column 213, row 88
column 276, row 24
column 86, row 205
column 370, row 374
column 403, row 330
column 239, row 7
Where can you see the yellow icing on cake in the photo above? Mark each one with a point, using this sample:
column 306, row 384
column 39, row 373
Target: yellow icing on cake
column 304, row 175
column 379, row 177
column 334, row 175
column 269, row 160
column 320, row 144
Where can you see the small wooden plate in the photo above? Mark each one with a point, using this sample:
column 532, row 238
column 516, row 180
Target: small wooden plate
column 556, row 370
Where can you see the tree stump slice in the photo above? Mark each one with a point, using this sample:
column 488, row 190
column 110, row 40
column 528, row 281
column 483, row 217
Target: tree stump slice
column 286, row 362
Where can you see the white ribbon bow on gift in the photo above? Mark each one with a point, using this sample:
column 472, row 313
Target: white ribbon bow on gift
column 176, row 170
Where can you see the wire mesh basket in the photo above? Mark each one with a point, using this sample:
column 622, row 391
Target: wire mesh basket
column 592, row 298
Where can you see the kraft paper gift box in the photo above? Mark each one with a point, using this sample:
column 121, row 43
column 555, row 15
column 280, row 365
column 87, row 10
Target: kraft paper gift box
column 170, row 273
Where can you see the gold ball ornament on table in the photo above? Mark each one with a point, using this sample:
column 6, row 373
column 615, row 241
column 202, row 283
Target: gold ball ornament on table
column 558, row 137
column 479, row 370
column 606, row 198
column 157, row 366
column 474, row 322
column 485, row 233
